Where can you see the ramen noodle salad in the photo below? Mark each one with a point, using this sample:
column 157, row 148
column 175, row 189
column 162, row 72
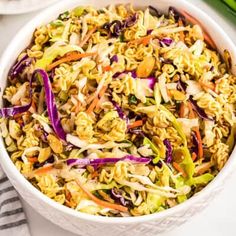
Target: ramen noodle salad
column 120, row 111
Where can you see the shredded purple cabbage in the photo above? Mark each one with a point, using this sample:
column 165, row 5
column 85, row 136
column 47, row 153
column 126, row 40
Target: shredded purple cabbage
column 133, row 74
column 159, row 164
column 169, row 150
column 20, row 66
column 51, row 104
column 149, row 31
column 195, row 143
column 101, row 161
column 151, row 82
column 154, row 11
column 181, row 86
column 11, row 111
column 116, row 194
column 129, row 22
column 119, row 110
column 212, row 68
column 198, row 109
column 114, row 59
column 116, row 27
column 50, row 101
column 166, row 41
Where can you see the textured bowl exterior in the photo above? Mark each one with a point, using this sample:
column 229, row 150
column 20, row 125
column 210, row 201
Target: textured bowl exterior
column 88, row 225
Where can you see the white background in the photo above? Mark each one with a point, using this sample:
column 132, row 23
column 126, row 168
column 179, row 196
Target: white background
column 218, row 219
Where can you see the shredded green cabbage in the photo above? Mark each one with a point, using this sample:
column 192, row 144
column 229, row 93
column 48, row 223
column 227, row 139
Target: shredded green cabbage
column 147, row 141
column 51, row 53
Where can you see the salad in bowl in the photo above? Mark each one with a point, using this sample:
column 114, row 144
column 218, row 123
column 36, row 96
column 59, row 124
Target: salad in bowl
column 118, row 111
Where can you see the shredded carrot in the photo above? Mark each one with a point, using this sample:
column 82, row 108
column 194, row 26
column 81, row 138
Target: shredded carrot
column 207, row 85
column 181, row 33
column 96, row 100
column 135, row 124
column 144, row 40
column 70, row 203
column 87, row 37
column 77, row 107
column 169, row 93
column 73, row 108
column 106, row 68
column 179, row 168
column 94, row 174
column 32, row 159
column 20, row 121
column 181, row 110
column 101, row 202
column 200, row 147
column 100, row 95
column 191, row 112
column 194, row 156
column 33, row 105
column 92, row 105
column 218, row 81
column 193, row 20
column 73, row 56
column 43, row 170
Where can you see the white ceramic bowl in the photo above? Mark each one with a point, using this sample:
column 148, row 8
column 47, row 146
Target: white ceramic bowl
column 88, row 225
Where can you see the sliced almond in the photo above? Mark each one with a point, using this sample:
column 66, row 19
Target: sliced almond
column 55, row 144
column 177, row 95
column 44, row 154
column 145, row 68
column 204, row 167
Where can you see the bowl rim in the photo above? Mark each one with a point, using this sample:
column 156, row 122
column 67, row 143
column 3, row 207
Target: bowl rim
column 11, row 170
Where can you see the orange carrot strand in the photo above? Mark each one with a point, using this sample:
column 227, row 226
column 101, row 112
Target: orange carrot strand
column 193, row 20
column 96, row 100
column 144, row 40
column 179, row 168
column 194, row 156
column 43, row 170
column 73, row 56
column 200, row 146
column 32, row 159
column 101, row 202
column 191, row 112
column 106, row 68
column 136, row 124
column 209, row 85
column 181, row 110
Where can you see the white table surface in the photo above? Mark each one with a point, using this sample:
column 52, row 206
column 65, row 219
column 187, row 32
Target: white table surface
column 218, row 219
